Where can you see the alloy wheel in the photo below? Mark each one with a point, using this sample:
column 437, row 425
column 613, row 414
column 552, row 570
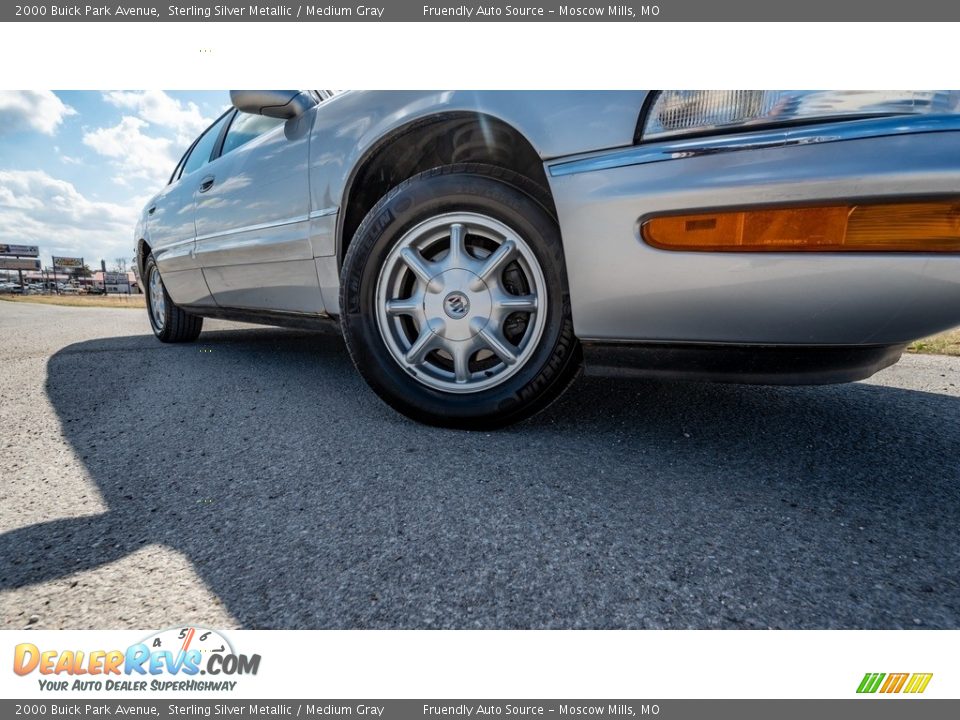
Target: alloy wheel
column 461, row 302
column 157, row 300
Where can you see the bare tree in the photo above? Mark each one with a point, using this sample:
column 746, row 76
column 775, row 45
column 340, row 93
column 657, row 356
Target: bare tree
column 120, row 264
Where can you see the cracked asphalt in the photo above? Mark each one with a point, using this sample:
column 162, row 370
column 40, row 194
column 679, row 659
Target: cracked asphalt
column 252, row 480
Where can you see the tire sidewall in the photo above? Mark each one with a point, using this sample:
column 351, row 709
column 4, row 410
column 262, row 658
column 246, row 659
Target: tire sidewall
column 413, row 202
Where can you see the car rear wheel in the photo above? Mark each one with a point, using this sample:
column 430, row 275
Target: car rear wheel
column 170, row 324
column 454, row 301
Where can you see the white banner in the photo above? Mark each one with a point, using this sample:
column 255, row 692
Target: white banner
column 476, row 664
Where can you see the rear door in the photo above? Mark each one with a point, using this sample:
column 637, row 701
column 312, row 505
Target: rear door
column 252, row 217
column 171, row 226
column 171, row 234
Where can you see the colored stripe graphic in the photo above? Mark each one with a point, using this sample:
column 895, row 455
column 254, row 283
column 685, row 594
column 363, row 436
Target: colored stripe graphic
column 870, row 682
column 918, row 683
column 894, row 682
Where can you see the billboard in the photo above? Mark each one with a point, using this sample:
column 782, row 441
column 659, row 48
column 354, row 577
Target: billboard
column 115, row 278
column 25, row 250
column 12, row 263
column 67, row 263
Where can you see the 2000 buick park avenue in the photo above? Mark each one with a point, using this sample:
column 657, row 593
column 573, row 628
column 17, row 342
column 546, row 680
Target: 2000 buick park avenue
column 479, row 248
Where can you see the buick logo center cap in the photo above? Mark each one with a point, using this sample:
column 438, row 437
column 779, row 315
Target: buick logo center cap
column 456, row 305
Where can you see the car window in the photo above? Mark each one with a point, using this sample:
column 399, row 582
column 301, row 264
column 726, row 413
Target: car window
column 200, row 155
column 245, row 127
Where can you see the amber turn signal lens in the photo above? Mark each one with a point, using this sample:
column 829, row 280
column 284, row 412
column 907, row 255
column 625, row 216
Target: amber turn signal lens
column 900, row 227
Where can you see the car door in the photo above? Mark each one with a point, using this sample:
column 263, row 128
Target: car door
column 171, row 226
column 252, row 217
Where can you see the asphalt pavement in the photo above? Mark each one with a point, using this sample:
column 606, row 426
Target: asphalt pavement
column 252, row 480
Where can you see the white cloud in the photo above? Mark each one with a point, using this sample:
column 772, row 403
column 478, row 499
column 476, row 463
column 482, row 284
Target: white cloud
column 66, row 159
column 38, row 209
column 156, row 107
column 139, row 146
column 38, row 110
column 135, row 154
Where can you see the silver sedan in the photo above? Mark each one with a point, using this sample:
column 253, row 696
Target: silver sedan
column 480, row 248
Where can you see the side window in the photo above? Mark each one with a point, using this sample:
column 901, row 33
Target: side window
column 200, row 155
column 246, row 127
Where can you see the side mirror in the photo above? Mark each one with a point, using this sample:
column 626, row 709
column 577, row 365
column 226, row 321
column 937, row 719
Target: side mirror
column 284, row 104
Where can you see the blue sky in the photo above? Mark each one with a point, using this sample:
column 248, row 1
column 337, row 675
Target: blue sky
column 77, row 167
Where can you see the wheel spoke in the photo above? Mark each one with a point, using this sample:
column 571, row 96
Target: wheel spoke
column 458, row 247
column 461, row 361
column 406, row 306
column 516, row 303
column 420, row 267
column 493, row 264
column 496, row 342
column 421, row 346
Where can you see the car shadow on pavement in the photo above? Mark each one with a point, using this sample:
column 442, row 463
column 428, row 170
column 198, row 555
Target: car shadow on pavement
column 304, row 502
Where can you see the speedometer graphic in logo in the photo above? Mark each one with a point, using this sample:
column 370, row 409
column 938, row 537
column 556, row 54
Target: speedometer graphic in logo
column 184, row 639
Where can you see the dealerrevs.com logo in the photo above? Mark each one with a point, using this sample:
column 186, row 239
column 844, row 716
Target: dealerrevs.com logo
column 168, row 660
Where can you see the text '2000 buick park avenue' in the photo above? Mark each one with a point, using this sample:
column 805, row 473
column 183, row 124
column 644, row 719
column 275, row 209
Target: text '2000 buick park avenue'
column 479, row 248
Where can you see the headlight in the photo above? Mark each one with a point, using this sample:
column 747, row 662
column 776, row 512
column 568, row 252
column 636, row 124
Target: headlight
column 686, row 112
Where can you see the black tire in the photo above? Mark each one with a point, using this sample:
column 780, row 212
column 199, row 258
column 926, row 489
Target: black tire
column 509, row 198
column 178, row 326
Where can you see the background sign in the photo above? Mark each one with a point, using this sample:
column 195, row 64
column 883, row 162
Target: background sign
column 116, row 278
column 10, row 263
column 67, row 263
column 27, row 250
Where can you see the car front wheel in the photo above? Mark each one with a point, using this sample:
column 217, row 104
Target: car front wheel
column 170, row 323
column 454, row 301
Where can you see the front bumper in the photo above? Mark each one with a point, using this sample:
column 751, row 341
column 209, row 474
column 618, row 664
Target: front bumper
column 624, row 290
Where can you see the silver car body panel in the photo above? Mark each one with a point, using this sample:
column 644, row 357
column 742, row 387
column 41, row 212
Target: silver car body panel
column 266, row 235
column 253, row 224
column 351, row 125
column 623, row 289
column 172, row 233
column 815, row 134
column 244, row 220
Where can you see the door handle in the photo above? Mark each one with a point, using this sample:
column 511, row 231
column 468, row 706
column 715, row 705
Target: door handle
column 207, row 183
column 152, row 210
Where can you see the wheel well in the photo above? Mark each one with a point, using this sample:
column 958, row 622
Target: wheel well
column 438, row 141
column 143, row 250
